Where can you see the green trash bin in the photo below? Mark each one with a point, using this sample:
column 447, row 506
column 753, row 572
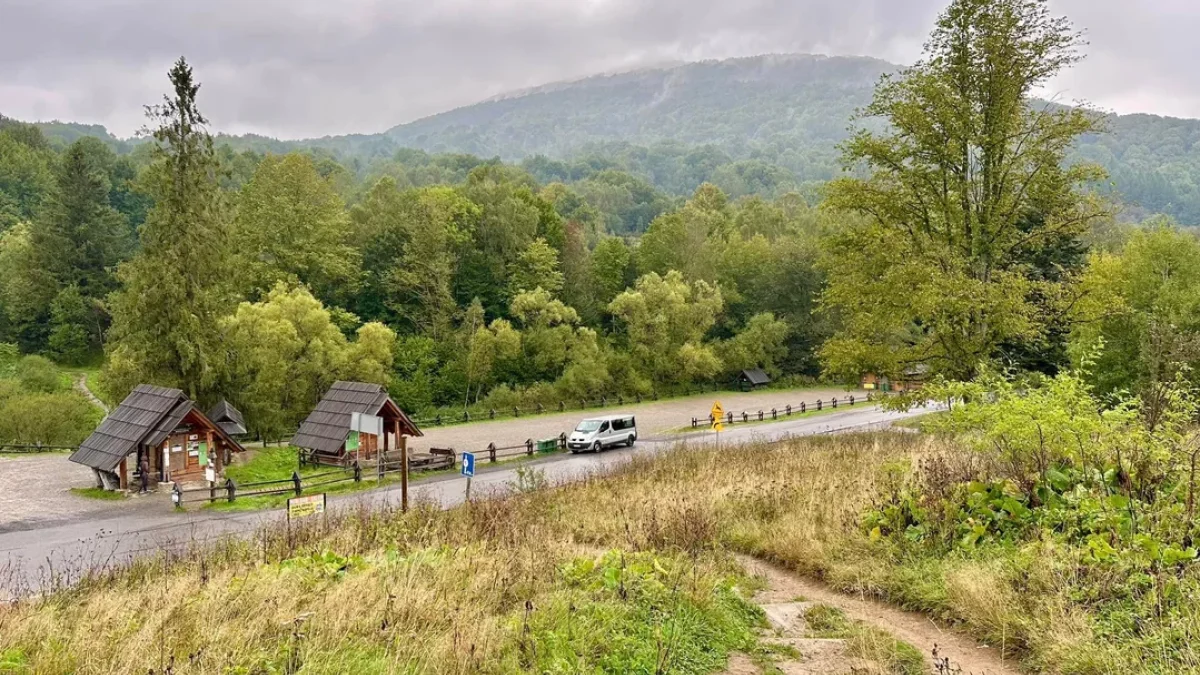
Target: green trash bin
column 547, row 445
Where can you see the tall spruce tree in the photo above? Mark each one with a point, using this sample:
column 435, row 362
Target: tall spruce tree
column 76, row 242
column 165, row 317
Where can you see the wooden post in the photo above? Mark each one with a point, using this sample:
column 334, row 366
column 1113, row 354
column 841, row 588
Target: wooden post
column 403, row 443
column 124, row 476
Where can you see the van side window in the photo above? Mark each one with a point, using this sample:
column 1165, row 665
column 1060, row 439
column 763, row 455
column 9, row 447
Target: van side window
column 604, row 427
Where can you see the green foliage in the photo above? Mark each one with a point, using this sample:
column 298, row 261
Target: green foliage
column 536, row 267
column 284, row 352
column 25, row 172
column 25, row 293
column 38, row 374
column 1141, row 304
column 1050, row 461
column 292, row 226
column 664, row 320
column 968, row 178
column 760, row 344
column 75, row 328
column 60, row 418
column 684, row 240
column 79, row 237
column 633, row 613
column 610, row 269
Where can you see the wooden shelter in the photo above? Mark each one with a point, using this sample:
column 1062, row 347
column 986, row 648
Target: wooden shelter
column 753, row 378
column 911, row 380
column 326, row 433
column 228, row 418
column 165, row 428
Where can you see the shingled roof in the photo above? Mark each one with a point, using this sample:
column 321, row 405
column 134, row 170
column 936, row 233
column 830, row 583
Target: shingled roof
column 756, row 376
column 146, row 416
column 228, row 418
column 328, row 426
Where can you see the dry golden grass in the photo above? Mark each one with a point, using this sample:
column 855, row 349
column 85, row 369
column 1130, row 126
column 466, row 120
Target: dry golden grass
column 448, row 592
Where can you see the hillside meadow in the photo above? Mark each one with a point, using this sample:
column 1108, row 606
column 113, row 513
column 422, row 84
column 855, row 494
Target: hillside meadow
column 627, row 572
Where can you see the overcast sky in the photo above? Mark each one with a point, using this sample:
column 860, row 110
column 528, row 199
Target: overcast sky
column 302, row 68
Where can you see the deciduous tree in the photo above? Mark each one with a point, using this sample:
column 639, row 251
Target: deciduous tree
column 936, row 272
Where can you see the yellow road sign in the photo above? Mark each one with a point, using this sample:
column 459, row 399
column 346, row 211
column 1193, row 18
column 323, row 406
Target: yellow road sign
column 718, row 427
column 717, row 413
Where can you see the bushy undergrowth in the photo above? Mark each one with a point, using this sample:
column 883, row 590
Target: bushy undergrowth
column 37, row 404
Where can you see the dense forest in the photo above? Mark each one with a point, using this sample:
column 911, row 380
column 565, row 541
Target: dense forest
column 457, row 281
column 763, row 125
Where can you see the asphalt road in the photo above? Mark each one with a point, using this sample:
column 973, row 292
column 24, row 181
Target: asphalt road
column 39, row 558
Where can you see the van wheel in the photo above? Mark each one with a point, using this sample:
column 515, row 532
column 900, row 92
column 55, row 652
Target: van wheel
column 596, row 447
column 629, row 443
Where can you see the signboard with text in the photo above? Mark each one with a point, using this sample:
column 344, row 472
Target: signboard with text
column 468, row 464
column 308, row 505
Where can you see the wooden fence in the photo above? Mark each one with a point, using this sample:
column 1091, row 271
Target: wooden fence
column 231, row 491
column 774, row 413
column 33, row 448
column 539, row 409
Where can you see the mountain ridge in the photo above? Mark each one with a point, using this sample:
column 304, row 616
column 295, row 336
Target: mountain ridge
column 786, row 111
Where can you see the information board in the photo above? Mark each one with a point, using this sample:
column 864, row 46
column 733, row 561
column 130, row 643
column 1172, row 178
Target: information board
column 308, row 505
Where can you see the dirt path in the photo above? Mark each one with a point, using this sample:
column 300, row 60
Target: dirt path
column 81, row 385
column 779, row 600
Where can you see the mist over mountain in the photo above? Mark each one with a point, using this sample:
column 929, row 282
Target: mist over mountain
column 773, row 121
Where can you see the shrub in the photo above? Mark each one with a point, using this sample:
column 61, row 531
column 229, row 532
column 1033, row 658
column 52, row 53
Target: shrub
column 38, row 374
column 62, row 418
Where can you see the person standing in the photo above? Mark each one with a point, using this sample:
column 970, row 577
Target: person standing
column 144, row 468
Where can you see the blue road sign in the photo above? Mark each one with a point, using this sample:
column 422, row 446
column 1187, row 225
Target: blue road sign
column 468, row 464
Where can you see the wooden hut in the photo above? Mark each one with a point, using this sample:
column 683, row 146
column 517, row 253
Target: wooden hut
column 228, row 418
column 165, row 428
column 753, row 378
column 326, row 434
column 912, row 379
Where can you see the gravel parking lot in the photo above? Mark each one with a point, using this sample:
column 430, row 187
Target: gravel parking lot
column 653, row 418
column 36, row 490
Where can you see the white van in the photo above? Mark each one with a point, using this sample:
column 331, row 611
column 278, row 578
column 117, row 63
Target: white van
column 598, row 433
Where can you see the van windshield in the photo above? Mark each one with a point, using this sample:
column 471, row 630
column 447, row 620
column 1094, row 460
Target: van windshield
column 588, row 426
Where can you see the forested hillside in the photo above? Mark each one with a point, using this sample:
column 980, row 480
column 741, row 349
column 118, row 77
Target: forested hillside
column 247, row 269
column 457, row 281
column 763, row 125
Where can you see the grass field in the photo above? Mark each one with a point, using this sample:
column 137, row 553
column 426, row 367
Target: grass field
column 612, row 574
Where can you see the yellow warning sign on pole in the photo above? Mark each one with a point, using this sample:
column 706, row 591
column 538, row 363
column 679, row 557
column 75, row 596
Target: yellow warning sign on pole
column 718, row 414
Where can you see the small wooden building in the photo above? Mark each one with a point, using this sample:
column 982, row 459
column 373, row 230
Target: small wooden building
column 753, row 378
column 912, row 380
column 228, row 418
column 165, row 428
column 326, row 434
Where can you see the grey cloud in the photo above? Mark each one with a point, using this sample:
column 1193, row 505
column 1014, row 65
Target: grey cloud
column 295, row 68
